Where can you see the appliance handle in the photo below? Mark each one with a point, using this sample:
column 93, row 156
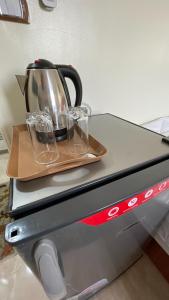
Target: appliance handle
column 72, row 74
column 49, row 271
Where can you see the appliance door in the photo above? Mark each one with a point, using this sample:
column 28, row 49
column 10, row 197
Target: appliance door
column 75, row 261
column 78, row 260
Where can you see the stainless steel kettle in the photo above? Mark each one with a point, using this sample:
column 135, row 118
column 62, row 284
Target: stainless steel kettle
column 45, row 89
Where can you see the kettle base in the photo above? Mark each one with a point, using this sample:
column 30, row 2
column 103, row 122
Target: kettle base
column 61, row 134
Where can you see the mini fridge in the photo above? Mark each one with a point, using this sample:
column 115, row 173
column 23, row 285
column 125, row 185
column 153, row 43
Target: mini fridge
column 80, row 229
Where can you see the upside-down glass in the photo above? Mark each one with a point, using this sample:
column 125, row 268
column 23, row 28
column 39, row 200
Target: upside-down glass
column 44, row 146
column 77, row 130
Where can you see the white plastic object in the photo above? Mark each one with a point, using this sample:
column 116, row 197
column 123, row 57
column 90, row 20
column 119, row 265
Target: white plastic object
column 50, row 4
column 160, row 125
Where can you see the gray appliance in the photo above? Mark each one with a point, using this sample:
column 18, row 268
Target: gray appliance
column 80, row 229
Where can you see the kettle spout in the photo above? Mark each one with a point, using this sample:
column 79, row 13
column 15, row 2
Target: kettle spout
column 21, row 81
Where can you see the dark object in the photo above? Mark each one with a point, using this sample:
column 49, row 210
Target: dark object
column 44, row 137
column 165, row 140
column 159, row 257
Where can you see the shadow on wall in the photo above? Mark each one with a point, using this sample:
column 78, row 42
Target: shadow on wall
column 16, row 107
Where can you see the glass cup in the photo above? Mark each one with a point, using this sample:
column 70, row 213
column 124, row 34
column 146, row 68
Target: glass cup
column 43, row 140
column 77, row 130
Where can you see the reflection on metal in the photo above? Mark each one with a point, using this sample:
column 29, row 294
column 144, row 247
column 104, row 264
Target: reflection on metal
column 21, row 81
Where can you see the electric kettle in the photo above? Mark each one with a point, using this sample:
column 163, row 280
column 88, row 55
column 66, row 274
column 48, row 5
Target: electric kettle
column 45, row 89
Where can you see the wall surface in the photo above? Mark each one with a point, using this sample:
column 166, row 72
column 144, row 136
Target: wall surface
column 120, row 48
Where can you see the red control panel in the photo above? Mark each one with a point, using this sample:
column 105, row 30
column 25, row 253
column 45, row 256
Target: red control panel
column 127, row 205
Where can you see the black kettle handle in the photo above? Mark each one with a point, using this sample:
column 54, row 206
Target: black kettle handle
column 69, row 72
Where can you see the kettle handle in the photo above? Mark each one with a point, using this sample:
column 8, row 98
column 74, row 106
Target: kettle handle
column 71, row 73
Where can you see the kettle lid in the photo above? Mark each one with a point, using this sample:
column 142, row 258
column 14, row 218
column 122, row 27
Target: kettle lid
column 41, row 64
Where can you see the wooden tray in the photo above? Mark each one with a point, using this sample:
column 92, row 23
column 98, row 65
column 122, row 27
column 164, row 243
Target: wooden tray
column 22, row 166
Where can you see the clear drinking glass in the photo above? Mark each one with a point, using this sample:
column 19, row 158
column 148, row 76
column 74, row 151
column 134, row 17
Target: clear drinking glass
column 77, row 130
column 40, row 127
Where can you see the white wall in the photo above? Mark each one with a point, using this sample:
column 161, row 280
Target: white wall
column 120, row 48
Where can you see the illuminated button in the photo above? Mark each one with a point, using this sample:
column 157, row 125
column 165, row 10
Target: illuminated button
column 162, row 186
column 113, row 211
column 148, row 194
column 132, row 202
